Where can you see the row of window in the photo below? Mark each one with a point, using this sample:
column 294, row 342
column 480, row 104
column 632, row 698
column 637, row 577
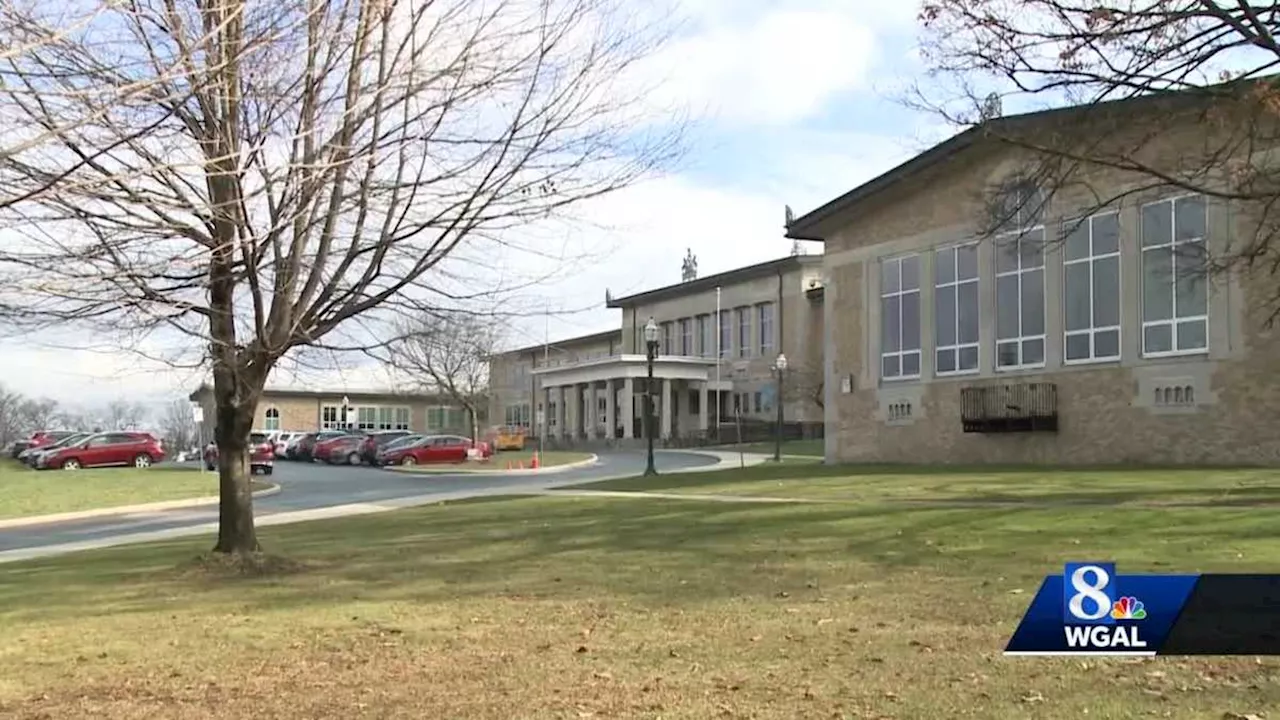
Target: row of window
column 743, row 332
column 518, row 415
column 1174, row 277
column 362, row 418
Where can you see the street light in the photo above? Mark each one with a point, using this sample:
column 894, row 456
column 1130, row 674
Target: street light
column 651, row 352
column 779, row 366
column 346, row 407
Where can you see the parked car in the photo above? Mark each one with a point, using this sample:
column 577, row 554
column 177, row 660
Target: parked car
column 306, row 448
column 380, row 439
column 107, row 449
column 262, row 454
column 341, row 450
column 39, row 439
column 31, row 456
column 282, row 441
column 435, row 449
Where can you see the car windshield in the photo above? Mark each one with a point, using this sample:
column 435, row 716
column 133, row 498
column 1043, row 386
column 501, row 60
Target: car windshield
column 69, row 440
column 406, row 441
column 257, row 438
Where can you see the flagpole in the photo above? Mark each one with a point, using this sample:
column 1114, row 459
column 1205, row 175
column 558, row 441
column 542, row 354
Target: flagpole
column 546, row 362
column 719, row 337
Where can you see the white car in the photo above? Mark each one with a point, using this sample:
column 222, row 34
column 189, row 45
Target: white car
column 285, row 439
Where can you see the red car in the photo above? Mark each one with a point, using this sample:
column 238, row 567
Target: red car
column 106, row 449
column 325, row 448
column 262, row 454
column 435, row 449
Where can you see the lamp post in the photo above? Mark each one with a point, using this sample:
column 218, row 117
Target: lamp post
column 780, row 366
column 651, row 352
column 346, row 408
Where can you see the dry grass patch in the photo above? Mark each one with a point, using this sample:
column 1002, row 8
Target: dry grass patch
column 631, row 608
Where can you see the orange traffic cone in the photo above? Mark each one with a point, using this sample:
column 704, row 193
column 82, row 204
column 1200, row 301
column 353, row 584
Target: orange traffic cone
column 520, row 464
column 508, row 464
column 534, row 463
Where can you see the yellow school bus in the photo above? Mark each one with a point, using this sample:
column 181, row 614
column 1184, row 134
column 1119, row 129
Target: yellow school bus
column 508, row 437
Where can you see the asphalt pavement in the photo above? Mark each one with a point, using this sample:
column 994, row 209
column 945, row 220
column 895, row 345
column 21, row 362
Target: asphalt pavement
column 309, row 489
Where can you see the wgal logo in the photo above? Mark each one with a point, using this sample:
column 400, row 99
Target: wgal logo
column 1093, row 608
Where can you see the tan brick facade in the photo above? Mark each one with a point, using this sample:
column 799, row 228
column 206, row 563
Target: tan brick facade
column 293, row 410
column 1108, row 411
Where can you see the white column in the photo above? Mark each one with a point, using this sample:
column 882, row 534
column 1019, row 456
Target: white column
column 666, row 409
column 628, row 408
column 610, row 413
column 593, row 412
column 561, row 417
column 702, row 406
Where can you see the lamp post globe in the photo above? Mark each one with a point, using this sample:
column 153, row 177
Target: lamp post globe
column 651, row 353
column 780, row 367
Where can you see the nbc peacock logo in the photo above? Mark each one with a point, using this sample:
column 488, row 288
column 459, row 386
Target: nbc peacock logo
column 1128, row 608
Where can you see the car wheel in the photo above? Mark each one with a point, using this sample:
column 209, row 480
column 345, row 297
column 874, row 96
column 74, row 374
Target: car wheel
column 142, row 461
column 353, row 459
column 71, row 464
column 266, row 470
column 408, row 460
column 209, row 467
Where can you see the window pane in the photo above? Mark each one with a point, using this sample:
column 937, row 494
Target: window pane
column 1007, row 306
column 1191, row 280
column 1075, row 291
column 967, row 262
column 890, row 316
column 1007, row 253
column 1106, row 292
column 967, row 309
column 968, row 358
column 911, row 321
column 1032, row 352
column 911, row 273
column 1031, row 249
column 944, row 266
column 944, row 319
column 1189, row 219
column 1033, row 303
column 1156, row 223
column 946, row 361
column 1157, row 285
column 1106, row 344
column 1157, row 338
column 1106, row 234
column 1076, row 246
column 1077, row 347
column 889, row 276
column 911, row 364
column 1191, row 335
column 1006, row 354
column 889, row 366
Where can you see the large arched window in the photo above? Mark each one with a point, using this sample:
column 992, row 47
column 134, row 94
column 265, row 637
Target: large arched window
column 272, row 420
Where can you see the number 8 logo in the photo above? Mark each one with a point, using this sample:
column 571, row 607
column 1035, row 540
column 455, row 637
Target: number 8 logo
column 1091, row 591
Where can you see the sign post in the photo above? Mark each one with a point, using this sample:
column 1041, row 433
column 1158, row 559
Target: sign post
column 197, row 414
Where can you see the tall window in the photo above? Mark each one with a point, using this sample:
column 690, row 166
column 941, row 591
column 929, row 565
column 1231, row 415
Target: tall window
column 1020, row 299
column 955, row 299
column 900, row 318
column 1175, row 306
column 686, row 336
column 330, row 417
column 367, row 418
column 667, row 341
column 765, row 311
column 435, row 418
column 726, row 334
column 272, row 419
column 1091, row 289
column 744, row 331
column 706, row 342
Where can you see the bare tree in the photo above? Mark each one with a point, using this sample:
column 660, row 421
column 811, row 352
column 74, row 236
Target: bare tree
column 294, row 171
column 805, row 383
column 448, row 353
column 178, row 425
column 20, row 416
column 123, row 415
column 1197, row 64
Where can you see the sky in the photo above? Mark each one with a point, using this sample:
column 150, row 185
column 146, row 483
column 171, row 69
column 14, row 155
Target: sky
column 793, row 103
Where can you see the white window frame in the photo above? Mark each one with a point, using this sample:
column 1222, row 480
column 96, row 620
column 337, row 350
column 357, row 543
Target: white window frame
column 956, row 283
column 764, row 315
column 1018, row 237
column 1091, row 258
column 900, row 293
column 336, row 422
column 271, row 419
column 744, row 330
column 686, row 336
column 724, row 328
column 706, row 341
column 1173, row 243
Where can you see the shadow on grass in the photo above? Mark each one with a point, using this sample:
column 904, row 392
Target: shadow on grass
column 654, row 551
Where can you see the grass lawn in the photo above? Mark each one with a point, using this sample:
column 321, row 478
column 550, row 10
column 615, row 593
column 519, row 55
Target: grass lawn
column 25, row 492
column 573, row 607
column 979, row 486
column 499, row 462
column 812, row 448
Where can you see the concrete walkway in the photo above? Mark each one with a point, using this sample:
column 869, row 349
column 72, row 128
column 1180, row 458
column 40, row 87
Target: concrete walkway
column 675, row 496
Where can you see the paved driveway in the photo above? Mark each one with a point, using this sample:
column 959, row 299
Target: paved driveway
column 315, row 487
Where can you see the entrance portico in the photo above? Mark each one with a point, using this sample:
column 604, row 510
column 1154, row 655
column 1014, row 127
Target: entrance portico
column 597, row 398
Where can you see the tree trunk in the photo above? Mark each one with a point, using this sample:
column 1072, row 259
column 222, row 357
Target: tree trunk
column 475, row 424
column 236, row 531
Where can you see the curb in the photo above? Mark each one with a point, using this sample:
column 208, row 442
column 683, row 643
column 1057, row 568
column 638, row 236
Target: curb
column 272, row 489
column 551, row 470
